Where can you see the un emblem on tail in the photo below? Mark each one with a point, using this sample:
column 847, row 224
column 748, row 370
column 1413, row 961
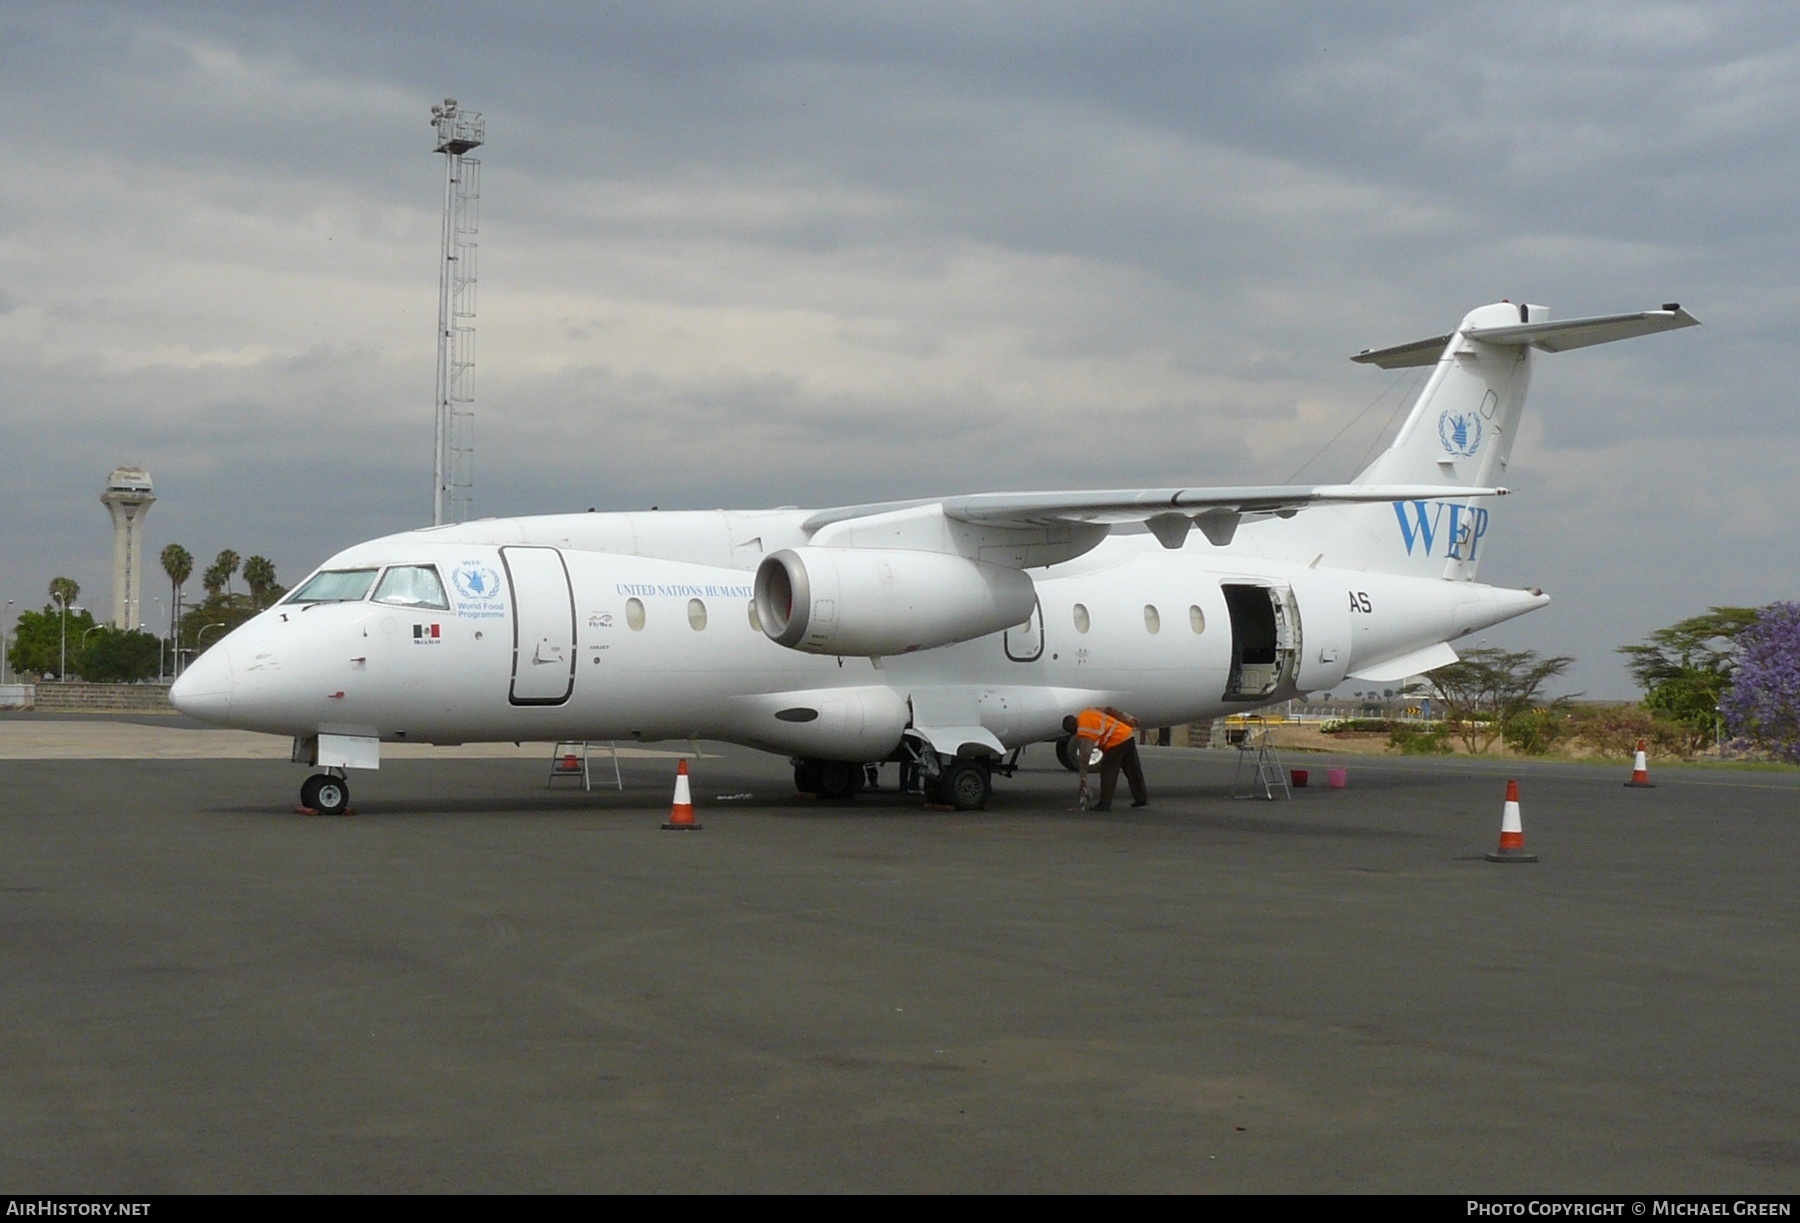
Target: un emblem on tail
column 1459, row 431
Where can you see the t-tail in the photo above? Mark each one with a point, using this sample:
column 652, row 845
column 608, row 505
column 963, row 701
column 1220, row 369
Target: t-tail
column 1460, row 434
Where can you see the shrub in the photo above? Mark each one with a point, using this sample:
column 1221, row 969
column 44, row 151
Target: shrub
column 1533, row 732
column 1415, row 739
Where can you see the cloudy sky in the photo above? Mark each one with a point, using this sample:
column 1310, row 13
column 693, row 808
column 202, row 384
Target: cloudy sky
column 749, row 255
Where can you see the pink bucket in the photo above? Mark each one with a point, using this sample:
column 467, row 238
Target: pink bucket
column 1337, row 779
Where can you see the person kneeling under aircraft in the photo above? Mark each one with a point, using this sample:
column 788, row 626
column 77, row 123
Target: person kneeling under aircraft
column 1114, row 732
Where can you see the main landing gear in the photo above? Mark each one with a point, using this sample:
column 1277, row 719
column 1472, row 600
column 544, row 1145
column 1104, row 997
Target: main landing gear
column 964, row 784
column 830, row 779
column 326, row 793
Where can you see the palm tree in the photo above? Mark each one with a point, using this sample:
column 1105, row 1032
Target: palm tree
column 178, row 563
column 227, row 563
column 259, row 574
column 214, row 579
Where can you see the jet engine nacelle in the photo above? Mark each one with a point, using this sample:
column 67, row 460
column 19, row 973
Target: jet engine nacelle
column 868, row 602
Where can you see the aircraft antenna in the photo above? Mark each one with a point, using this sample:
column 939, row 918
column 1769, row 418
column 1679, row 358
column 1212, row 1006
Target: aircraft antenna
column 453, row 453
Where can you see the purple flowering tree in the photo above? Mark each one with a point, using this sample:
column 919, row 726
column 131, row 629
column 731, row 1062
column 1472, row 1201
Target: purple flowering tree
column 1763, row 703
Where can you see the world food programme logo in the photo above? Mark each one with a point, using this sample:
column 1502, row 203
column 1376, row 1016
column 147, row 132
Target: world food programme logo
column 479, row 589
column 1460, row 432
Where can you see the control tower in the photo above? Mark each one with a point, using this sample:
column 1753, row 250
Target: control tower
column 127, row 498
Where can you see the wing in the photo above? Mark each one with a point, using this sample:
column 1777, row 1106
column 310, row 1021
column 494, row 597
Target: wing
column 1167, row 512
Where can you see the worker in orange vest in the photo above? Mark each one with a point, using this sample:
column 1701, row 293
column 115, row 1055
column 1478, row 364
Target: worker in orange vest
column 1114, row 732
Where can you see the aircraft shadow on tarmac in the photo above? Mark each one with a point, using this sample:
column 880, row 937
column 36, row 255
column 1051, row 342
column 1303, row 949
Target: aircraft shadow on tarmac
column 1197, row 808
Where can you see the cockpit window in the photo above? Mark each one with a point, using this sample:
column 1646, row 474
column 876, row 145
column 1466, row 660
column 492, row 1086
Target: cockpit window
column 412, row 586
column 335, row 586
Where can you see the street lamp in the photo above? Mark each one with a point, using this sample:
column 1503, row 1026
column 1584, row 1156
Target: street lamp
column 81, row 647
column 62, row 674
column 160, row 642
column 3, row 624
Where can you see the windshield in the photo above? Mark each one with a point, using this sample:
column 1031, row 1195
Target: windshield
column 335, row 586
column 412, row 586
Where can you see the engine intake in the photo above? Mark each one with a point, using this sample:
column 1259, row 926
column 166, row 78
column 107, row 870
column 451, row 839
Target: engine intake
column 868, row 602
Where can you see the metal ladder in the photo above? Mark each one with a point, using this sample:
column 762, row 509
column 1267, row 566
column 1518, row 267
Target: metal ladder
column 570, row 760
column 1267, row 774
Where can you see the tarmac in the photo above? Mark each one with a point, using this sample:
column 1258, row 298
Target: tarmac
column 480, row 984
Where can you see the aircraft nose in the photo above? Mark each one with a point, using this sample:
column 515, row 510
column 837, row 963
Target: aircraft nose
column 204, row 689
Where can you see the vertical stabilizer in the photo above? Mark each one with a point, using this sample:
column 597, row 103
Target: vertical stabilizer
column 1459, row 435
column 1460, row 430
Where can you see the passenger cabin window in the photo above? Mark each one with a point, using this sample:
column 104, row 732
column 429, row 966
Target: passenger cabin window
column 1152, row 619
column 412, row 586
column 335, row 586
column 1081, row 618
column 696, row 615
column 1197, row 618
column 634, row 614
column 755, row 620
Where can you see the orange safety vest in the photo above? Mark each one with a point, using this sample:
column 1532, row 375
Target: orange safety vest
column 1102, row 728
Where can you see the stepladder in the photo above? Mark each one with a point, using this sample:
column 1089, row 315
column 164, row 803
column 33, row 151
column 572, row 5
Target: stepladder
column 1259, row 772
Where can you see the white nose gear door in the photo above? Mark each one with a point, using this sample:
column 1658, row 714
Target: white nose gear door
column 543, row 626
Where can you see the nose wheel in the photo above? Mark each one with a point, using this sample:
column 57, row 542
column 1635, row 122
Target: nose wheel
column 325, row 793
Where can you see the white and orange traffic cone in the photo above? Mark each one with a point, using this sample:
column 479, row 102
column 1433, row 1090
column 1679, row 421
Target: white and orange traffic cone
column 681, row 815
column 1640, row 771
column 1512, row 832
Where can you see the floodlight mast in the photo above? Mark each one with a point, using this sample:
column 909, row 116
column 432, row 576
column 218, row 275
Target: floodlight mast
column 458, row 132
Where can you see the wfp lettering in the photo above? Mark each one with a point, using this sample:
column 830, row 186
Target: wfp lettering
column 1425, row 523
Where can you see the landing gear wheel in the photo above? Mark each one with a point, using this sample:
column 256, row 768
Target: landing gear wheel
column 966, row 785
column 1065, row 757
column 837, row 780
column 325, row 794
column 806, row 776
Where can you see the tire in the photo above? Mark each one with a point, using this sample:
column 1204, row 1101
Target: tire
column 807, row 776
column 325, row 794
column 967, row 785
column 1064, row 757
column 838, row 780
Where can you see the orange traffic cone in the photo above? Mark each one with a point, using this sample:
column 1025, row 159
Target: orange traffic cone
column 681, row 815
column 1640, row 771
column 1512, row 832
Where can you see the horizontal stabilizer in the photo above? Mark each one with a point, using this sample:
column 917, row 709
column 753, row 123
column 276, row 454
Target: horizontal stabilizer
column 1550, row 336
column 1405, row 356
column 1561, row 336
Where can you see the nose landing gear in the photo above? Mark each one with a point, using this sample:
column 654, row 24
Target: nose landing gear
column 325, row 793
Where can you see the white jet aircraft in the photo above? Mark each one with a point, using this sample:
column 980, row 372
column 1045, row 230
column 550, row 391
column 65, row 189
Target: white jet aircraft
column 944, row 632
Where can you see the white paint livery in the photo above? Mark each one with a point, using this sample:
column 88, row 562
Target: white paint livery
column 944, row 632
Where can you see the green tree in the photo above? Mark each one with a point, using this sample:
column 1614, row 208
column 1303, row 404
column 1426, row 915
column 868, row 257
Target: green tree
column 64, row 591
column 118, row 656
column 207, row 622
column 1489, row 687
column 37, row 645
column 1685, row 669
column 178, row 563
